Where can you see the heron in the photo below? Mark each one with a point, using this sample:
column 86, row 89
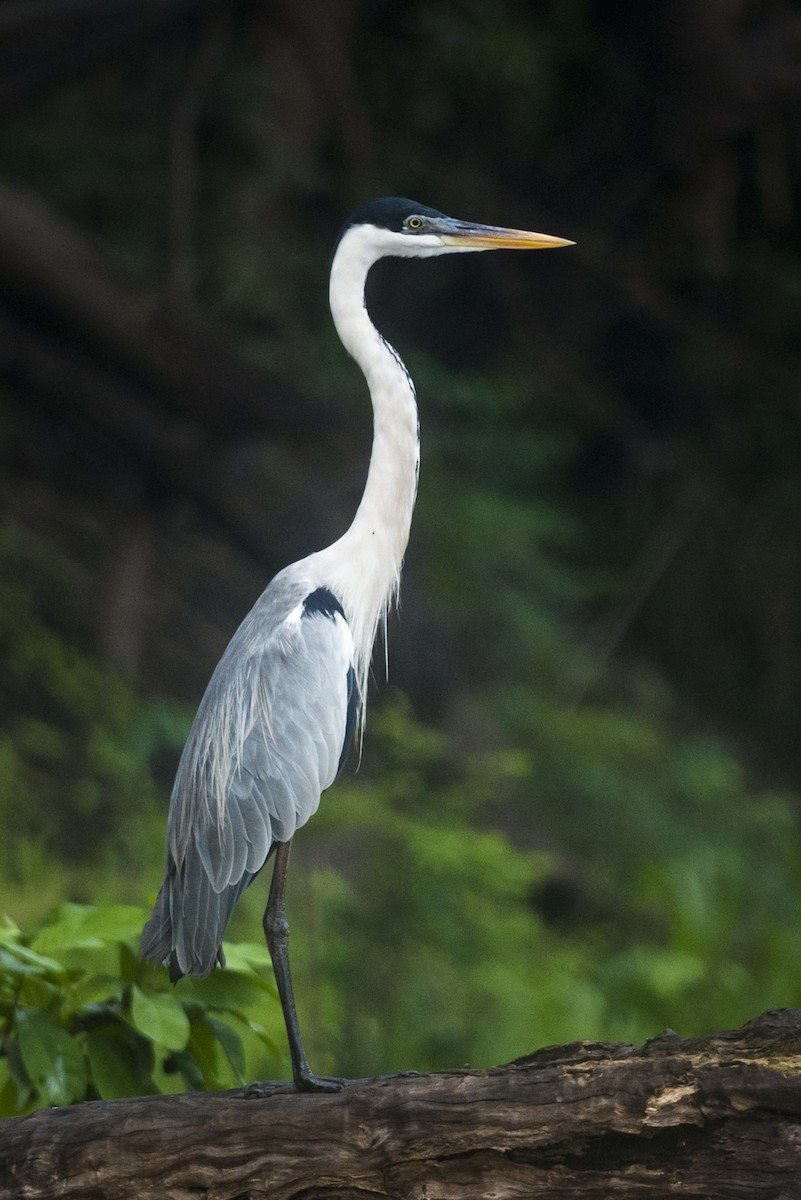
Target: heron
column 288, row 696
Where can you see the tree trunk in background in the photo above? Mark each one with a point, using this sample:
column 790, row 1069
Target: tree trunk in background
column 716, row 1117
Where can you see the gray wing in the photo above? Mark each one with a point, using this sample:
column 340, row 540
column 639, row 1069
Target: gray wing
column 269, row 737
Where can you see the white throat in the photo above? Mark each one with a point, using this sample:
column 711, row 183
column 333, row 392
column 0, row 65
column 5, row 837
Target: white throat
column 364, row 565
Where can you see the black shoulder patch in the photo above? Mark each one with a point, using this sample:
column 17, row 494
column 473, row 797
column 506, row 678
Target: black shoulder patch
column 324, row 602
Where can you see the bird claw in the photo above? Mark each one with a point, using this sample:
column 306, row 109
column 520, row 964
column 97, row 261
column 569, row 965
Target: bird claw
column 326, row 1084
column 262, row 1089
column 320, row 1083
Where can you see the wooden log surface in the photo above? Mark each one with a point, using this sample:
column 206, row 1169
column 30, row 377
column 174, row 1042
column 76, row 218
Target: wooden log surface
column 714, row 1117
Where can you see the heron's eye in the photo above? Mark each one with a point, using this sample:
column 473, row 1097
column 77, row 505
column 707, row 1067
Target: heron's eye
column 414, row 223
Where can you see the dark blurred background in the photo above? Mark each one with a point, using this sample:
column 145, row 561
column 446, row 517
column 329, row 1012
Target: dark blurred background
column 578, row 809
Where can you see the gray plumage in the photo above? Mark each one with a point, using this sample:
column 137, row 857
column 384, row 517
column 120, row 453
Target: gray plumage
column 268, row 738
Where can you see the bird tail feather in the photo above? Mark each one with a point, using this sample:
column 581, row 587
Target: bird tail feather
column 185, row 929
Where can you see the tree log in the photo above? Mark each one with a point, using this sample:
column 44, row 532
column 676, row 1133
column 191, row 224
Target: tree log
column 715, row 1118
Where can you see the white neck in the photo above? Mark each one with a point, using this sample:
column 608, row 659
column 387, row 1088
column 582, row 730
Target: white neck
column 364, row 565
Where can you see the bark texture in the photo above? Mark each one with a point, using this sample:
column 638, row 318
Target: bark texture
column 713, row 1118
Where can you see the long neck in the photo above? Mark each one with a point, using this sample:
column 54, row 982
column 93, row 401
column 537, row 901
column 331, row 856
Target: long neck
column 365, row 564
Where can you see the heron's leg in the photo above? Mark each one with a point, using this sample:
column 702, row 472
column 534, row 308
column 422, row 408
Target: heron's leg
column 276, row 931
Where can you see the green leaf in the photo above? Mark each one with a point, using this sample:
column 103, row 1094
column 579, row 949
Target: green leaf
column 186, row 1065
column 9, row 930
column 22, row 961
column 91, row 990
column 61, row 935
column 17, row 1072
column 81, row 925
column 130, row 965
column 168, row 1074
column 160, row 1018
column 92, row 958
column 115, row 1064
column 261, row 1033
column 115, row 922
column 205, row 1047
column 232, row 1046
column 245, row 956
column 232, row 991
column 53, row 1060
column 8, row 1091
column 37, row 992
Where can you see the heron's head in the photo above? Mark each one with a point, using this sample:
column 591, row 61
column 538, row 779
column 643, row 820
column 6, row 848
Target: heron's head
column 398, row 227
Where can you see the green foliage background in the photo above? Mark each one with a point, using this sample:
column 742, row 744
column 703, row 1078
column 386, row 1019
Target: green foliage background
column 577, row 809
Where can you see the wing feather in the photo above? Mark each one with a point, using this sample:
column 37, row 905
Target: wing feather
column 268, row 738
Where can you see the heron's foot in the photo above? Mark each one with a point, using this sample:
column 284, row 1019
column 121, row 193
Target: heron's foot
column 309, row 1082
column 262, row 1089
